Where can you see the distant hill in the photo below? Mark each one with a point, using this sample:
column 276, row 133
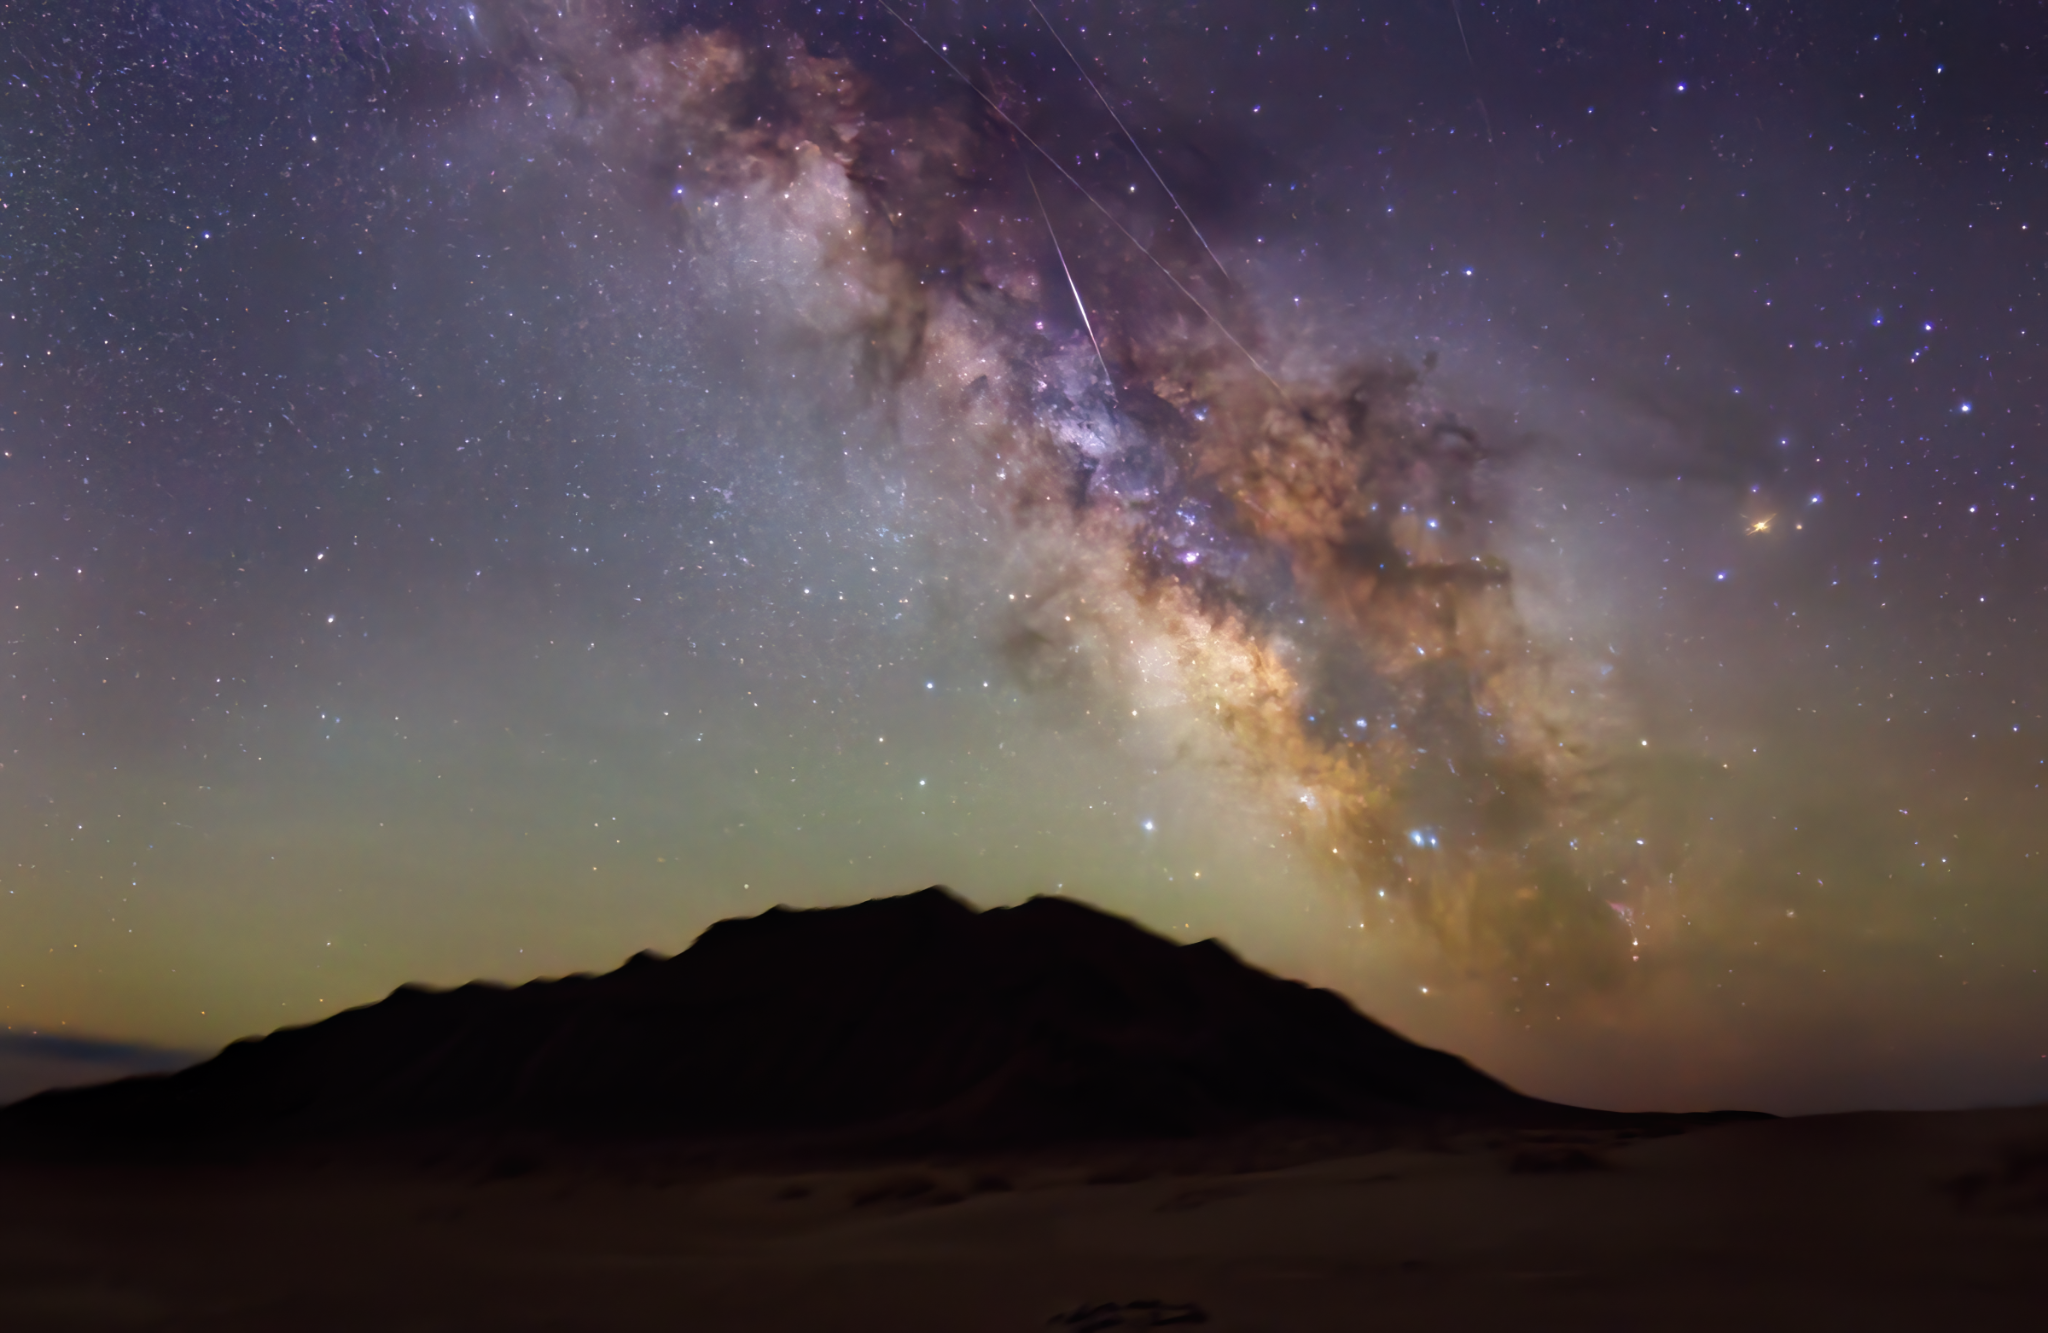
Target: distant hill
column 33, row 1061
column 909, row 1019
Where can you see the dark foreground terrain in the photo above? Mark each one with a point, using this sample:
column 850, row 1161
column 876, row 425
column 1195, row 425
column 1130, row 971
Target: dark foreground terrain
column 909, row 1115
column 1891, row 1221
column 913, row 1022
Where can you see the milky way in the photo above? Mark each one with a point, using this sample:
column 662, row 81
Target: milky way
column 495, row 486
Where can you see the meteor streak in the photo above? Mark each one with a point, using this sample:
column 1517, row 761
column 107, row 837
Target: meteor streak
column 1108, row 380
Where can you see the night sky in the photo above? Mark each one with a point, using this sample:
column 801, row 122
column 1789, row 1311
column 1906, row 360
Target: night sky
column 1525, row 513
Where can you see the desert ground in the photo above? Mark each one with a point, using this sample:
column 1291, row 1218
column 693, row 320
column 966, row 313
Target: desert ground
column 1882, row 1220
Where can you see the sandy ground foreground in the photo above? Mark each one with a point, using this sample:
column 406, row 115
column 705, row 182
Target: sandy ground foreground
column 1873, row 1221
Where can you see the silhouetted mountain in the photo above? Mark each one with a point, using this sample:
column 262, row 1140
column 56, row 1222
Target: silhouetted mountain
column 909, row 1019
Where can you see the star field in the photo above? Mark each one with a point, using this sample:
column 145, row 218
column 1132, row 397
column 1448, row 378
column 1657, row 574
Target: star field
column 1526, row 515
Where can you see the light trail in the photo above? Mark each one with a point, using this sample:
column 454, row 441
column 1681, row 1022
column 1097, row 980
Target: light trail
column 1135, row 145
